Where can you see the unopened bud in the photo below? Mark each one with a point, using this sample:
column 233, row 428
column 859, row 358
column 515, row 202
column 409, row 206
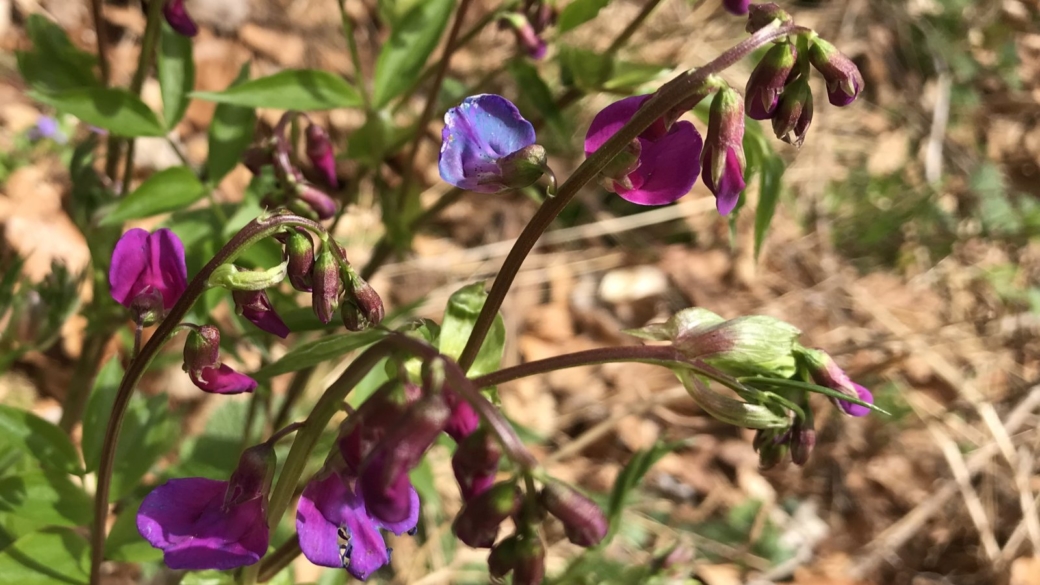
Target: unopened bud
column 844, row 81
column 584, row 522
column 624, row 163
column 256, row 158
column 299, row 252
column 234, row 278
column 253, row 475
column 321, row 204
column 178, row 18
column 526, row 35
column 256, row 307
column 762, row 15
column 202, row 348
column 523, row 167
column 363, row 307
column 475, row 463
column 768, row 79
column 737, row 7
column 826, row 372
column 463, row 420
column 730, row 410
column 722, row 160
column 751, row 344
column 319, row 152
column 794, row 113
column 504, row 556
column 771, row 449
column 802, row 441
column 530, row 563
column 326, row 284
column 685, row 323
column 478, row 521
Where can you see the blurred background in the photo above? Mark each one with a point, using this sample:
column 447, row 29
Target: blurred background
column 905, row 243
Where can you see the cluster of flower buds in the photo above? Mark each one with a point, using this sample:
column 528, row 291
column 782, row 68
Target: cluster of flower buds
column 202, row 523
column 528, row 24
column 294, row 190
column 763, row 363
column 332, row 282
column 778, row 88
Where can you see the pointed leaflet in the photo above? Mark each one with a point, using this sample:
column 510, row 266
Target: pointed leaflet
column 176, row 74
column 292, row 89
column 459, row 317
column 579, row 12
column 114, row 109
column 411, row 42
column 39, row 439
column 168, row 190
column 230, row 133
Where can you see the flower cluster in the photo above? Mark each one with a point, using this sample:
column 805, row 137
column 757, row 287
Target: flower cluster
column 528, row 24
column 759, row 358
column 294, row 190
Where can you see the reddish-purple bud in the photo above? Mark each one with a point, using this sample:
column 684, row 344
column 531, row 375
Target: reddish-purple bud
column 802, row 441
column 844, row 81
column 179, row 19
column 253, row 475
column 584, row 522
column 319, row 151
column 762, row 15
column 299, row 251
column 323, row 206
column 793, row 113
column 722, row 160
column 526, row 35
column 255, row 158
column 768, row 79
column 464, row 419
column 826, row 372
column 530, row 563
column 326, row 284
column 475, row 463
column 737, row 7
column 202, row 348
column 256, row 307
column 478, row 521
column 504, row 556
column 362, row 307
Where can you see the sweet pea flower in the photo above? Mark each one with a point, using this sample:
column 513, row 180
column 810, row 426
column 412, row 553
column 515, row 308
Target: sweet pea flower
column 257, row 309
column 665, row 164
column 488, row 147
column 723, row 159
column 177, row 16
column 148, row 273
column 336, row 530
column 202, row 362
column 827, row 373
column 319, row 151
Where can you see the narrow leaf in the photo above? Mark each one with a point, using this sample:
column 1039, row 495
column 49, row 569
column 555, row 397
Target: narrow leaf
column 230, row 133
column 292, row 89
column 38, row 438
column 317, row 351
column 578, row 13
column 168, row 190
column 54, row 63
column 411, row 42
column 770, row 173
column 99, row 409
column 537, row 93
column 148, row 433
column 113, row 109
column 176, row 74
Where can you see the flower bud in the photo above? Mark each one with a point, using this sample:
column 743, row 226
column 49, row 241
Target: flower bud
column 762, row 15
column 722, row 160
column 478, row 521
column 299, row 251
column 319, row 152
column 730, row 410
column 771, row 449
column 794, row 113
column 321, row 204
column 584, row 522
column 737, row 7
column 622, row 165
column 685, row 323
column 802, row 440
column 826, row 372
column 530, row 563
column 363, row 430
column 253, row 475
column 751, row 344
column 463, row 420
column 257, row 308
column 178, row 18
column 234, row 278
column 522, row 168
column 202, row 348
column 768, row 79
column 844, row 81
column 504, row 556
column 526, row 35
column 326, row 283
column 475, row 463
column 255, row 158
column 363, row 308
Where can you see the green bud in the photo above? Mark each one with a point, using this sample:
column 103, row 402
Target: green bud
column 754, row 344
column 525, row 166
column 326, row 283
column 233, row 278
column 685, row 322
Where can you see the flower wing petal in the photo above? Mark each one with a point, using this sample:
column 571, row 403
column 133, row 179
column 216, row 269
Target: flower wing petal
column 669, row 166
column 129, row 261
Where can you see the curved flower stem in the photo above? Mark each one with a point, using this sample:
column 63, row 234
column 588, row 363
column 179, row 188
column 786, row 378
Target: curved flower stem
column 279, row 559
column 253, row 232
column 669, row 96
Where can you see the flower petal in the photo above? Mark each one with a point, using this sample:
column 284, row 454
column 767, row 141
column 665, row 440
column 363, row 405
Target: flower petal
column 669, row 167
column 731, row 183
column 477, row 133
column 166, row 268
column 222, row 380
column 610, row 119
column 854, row 409
column 129, row 261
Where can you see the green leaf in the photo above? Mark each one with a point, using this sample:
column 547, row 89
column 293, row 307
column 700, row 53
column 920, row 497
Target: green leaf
column 769, row 185
column 169, row 190
column 230, row 133
column 113, row 109
column 578, row 13
column 47, row 557
column 292, row 89
column 176, row 74
column 54, row 63
column 317, row 351
column 208, row 578
column 47, row 497
column 124, row 542
column 99, row 408
column 38, row 438
column 629, row 478
column 592, row 71
column 459, row 317
column 412, row 40
column 148, row 433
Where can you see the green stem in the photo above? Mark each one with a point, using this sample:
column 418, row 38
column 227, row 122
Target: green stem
column 253, row 232
column 83, row 379
column 279, row 559
column 669, row 96
column 355, row 57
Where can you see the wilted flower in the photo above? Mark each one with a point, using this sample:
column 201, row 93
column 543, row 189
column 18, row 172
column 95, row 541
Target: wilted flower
column 256, row 307
column 844, row 81
column 177, row 16
column 666, row 162
column 208, row 524
column 202, row 362
column 488, row 147
column 768, row 79
column 723, row 160
column 148, row 273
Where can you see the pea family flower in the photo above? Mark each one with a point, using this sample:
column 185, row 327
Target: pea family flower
column 319, row 151
column 257, row 309
column 844, row 81
column 177, row 16
column 768, row 79
column 723, row 160
column 664, row 165
column 826, row 372
column 488, row 147
column 148, row 273
column 336, row 529
column 47, row 127
column 204, row 523
column 202, row 362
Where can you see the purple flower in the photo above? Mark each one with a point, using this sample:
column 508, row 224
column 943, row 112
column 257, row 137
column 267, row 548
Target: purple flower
column 737, row 7
column 202, row 362
column 526, row 35
column 177, row 16
column 336, row 530
column 475, row 463
column 768, row 79
column 479, row 133
column 256, row 307
column 668, row 158
column 148, row 273
column 47, row 127
column 187, row 518
column 319, row 151
column 826, row 372
column 723, row 158
column 844, row 81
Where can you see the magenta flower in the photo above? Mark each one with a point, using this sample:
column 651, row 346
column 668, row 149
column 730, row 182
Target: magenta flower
column 768, row 80
column 844, row 81
column 188, row 519
column 826, row 372
column 478, row 138
column 178, row 18
column 475, row 463
column 319, row 151
column 737, row 7
column 148, row 273
column 336, row 530
column 256, row 307
column 668, row 158
column 202, row 362
column 723, row 158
